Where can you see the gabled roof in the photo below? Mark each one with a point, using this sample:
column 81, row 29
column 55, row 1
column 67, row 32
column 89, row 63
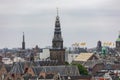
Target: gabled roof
column 17, row 69
column 83, row 56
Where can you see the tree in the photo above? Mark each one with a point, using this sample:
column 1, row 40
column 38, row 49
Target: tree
column 66, row 63
column 82, row 69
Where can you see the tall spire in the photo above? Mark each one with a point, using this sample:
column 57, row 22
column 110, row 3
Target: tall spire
column 23, row 37
column 23, row 43
column 57, row 39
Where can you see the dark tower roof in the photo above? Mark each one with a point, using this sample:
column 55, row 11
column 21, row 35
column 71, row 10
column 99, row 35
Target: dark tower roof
column 57, row 39
column 23, row 43
column 99, row 44
column 57, row 32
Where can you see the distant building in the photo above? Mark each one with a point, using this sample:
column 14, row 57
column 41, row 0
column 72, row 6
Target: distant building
column 44, row 54
column 71, row 57
column 7, row 61
column 72, row 52
column 18, row 59
column 57, row 52
column 118, row 43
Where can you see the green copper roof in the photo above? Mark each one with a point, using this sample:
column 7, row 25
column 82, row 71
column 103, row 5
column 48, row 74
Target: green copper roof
column 118, row 39
column 103, row 48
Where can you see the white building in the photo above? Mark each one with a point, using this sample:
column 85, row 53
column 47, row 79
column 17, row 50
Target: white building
column 71, row 57
column 7, row 61
column 18, row 59
column 45, row 54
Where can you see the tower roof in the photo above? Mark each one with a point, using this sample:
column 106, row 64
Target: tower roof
column 57, row 42
column 57, row 32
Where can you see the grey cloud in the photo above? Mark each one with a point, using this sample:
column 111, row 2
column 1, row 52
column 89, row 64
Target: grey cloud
column 83, row 21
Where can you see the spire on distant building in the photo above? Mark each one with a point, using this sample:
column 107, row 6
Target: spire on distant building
column 23, row 43
column 99, row 45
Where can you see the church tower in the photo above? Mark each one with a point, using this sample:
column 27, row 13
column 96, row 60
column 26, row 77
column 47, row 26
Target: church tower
column 23, row 43
column 99, row 46
column 57, row 52
column 118, row 43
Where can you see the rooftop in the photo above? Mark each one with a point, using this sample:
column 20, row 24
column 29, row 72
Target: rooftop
column 83, row 56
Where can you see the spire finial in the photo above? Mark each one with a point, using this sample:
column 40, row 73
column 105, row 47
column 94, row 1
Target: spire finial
column 57, row 11
column 23, row 33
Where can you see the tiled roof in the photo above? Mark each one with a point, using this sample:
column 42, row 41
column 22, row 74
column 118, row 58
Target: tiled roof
column 92, row 63
column 42, row 63
column 63, row 70
column 83, row 56
column 17, row 69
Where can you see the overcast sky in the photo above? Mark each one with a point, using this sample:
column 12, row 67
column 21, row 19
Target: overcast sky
column 81, row 21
